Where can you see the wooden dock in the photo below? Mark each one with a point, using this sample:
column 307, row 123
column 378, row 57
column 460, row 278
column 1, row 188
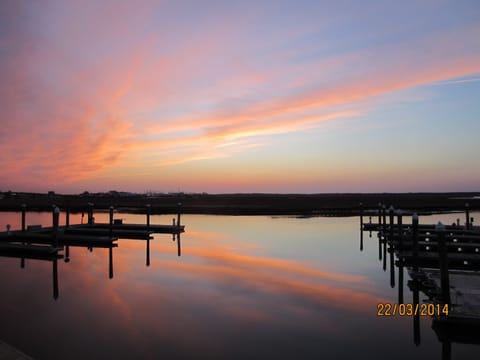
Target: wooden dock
column 8, row 352
column 443, row 262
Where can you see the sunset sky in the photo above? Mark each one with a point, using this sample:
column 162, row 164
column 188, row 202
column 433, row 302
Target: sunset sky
column 240, row 96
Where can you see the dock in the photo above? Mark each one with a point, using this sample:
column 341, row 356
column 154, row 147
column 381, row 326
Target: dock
column 443, row 262
column 53, row 243
column 8, row 352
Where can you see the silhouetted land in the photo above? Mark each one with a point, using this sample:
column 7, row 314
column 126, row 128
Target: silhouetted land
column 244, row 204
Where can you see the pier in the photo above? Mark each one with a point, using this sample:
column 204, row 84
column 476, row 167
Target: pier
column 443, row 262
column 53, row 243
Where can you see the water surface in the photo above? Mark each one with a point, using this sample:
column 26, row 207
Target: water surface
column 243, row 287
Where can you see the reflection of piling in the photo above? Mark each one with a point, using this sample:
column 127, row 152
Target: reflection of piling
column 24, row 207
column 400, row 283
column 179, row 248
column 148, row 253
column 56, row 214
column 392, row 267
column 110, row 262
column 416, row 315
column 384, row 241
column 415, row 241
column 442, row 252
column 55, row 279
column 379, row 246
column 446, row 350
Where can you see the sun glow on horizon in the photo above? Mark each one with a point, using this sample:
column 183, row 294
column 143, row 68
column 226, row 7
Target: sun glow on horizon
column 223, row 97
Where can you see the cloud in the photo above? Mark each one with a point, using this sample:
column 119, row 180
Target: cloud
column 86, row 95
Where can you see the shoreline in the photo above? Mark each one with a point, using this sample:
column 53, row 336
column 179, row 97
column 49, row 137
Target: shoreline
column 304, row 205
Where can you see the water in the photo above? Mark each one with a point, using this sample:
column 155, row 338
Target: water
column 244, row 287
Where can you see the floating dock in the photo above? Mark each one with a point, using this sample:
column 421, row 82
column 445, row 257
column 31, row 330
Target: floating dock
column 443, row 262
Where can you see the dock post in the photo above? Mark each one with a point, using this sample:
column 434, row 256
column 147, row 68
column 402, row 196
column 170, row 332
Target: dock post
column 111, row 221
column 361, row 215
column 148, row 216
column 361, row 226
column 53, row 214
column 23, row 217
column 415, row 241
column 90, row 214
column 179, row 208
column 390, row 214
column 379, row 216
column 400, row 231
column 442, row 253
column 56, row 214
column 384, row 227
column 67, row 217
column 67, row 253
column 467, row 216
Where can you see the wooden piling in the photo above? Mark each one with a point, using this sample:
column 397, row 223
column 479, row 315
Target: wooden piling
column 53, row 214
column 148, row 215
column 467, row 216
column 361, row 226
column 67, row 253
column 90, row 214
column 67, row 217
column 400, row 230
column 379, row 215
column 179, row 207
column 390, row 214
column 23, row 217
column 415, row 241
column 443, row 262
column 384, row 220
column 56, row 215
column 111, row 221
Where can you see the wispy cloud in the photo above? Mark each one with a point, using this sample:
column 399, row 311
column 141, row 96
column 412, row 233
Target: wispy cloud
column 90, row 89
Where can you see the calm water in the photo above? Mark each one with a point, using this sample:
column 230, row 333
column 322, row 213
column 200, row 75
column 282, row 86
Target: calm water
column 244, row 288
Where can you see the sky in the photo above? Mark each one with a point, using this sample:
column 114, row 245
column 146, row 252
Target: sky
column 240, row 96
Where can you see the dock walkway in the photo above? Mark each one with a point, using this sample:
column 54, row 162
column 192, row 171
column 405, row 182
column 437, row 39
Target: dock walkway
column 8, row 352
